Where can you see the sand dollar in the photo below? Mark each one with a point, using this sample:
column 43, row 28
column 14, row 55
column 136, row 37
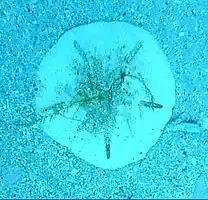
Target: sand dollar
column 106, row 92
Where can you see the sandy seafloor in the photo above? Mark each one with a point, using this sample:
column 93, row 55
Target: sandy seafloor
column 32, row 165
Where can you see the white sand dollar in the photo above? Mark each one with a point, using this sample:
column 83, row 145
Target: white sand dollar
column 106, row 92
